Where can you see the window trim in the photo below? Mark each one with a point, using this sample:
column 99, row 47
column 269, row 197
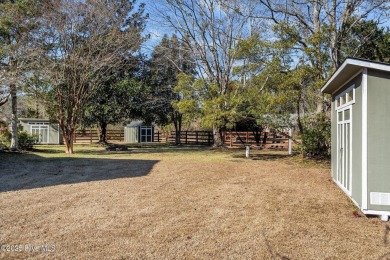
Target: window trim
column 40, row 128
column 346, row 96
column 146, row 135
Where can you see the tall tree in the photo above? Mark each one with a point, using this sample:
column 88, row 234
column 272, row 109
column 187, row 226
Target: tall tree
column 211, row 30
column 367, row 40
column 169, row 58
column 17, row 22
column 319, row 28
column 81, row 43
column 115, row 102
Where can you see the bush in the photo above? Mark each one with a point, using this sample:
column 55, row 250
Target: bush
column 316, row 139
column 26, row 141
column 5, row 139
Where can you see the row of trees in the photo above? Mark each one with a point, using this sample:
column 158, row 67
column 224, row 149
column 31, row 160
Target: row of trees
column 230, row 61
column 261, row 58
column 74, row 50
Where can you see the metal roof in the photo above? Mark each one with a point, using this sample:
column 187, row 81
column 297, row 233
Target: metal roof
column 135, row 124
column 350, row 68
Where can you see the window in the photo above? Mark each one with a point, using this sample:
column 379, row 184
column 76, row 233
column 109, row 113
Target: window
column 347, row 97
column 347, row 114
column 146, row 134
column 38, row 123
column 340, row 116
column 350, row 95
column 42, row 131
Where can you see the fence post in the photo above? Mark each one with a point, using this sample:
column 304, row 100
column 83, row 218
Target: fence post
column 186, row 136
column 231, row 139
column 196, row 134
column 158, row 136
column 208, row 138
column 247, row 137
column 74, row 136
column 90, row 136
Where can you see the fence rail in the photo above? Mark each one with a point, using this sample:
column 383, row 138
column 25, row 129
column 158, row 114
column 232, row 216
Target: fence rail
column 277, row 140
column 186, row 137
column 92, row 135
column 272, row 140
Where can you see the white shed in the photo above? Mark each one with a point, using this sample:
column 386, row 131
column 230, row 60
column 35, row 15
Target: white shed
column 48, row 132
column 138, row 132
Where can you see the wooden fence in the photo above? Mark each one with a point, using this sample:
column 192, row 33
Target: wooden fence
column 92, row 135
column 186, row 137
column 272, row 140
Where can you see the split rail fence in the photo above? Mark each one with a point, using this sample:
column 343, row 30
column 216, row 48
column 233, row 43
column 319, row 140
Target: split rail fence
column 271, row 140
column 186, row 137
column 92, row 135
column 268, row 140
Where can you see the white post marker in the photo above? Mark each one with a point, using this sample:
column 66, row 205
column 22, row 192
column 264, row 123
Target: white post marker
column 384, row 218
column 247, row 151
column 290, row 141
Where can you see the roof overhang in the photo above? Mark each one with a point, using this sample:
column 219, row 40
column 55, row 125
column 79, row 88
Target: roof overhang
column 34, row 120
column 347, row 70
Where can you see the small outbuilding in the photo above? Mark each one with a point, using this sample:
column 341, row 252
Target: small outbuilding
column 49, row 133
column 360, row 92
column 139, row 132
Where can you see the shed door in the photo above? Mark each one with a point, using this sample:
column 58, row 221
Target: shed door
column 344, row 145
column 42, row 131
column 146, row 134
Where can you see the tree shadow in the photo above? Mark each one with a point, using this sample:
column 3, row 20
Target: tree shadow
column 28, row 171
column 153, row 148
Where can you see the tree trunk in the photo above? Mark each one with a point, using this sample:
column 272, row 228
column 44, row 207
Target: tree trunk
column 299, row 121
column 177, row 121
column 217, row 136
column 320, row 103
column 265, row 138
column 14, row 118
column 257, row 135
column 103, row 133
column 68, row 141
column 36, row 105
column 177, row 136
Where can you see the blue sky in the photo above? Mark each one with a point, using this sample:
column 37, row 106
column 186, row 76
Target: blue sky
column 156, row 28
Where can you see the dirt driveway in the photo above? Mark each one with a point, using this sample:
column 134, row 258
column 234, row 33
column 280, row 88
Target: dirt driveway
column 178, row 203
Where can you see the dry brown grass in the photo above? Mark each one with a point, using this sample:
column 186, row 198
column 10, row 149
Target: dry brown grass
column 184, row 203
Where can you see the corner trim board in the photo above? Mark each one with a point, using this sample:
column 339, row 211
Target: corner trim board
column 364, row 140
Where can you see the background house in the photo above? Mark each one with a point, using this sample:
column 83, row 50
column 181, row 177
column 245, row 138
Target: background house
column 49, row 133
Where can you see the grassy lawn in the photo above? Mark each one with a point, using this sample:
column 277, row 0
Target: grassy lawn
column 166, row 202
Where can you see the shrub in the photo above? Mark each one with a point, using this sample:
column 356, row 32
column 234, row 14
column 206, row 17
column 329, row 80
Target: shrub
column 26, row 141
column 5, row 138
column 316, row 139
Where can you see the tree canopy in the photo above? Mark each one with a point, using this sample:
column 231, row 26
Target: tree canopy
column 224, row 63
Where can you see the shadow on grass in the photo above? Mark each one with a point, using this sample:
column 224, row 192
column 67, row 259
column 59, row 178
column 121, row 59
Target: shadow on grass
column 28, row 171
column 95, row 149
